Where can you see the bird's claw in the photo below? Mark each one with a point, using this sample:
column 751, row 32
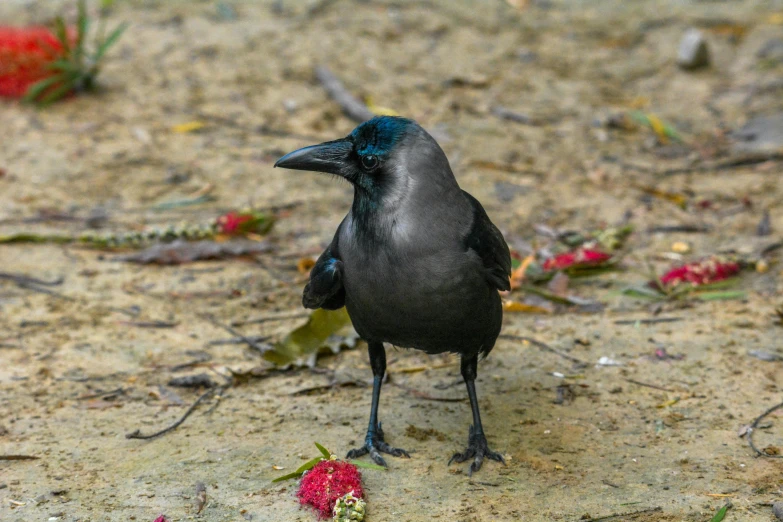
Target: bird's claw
column 375, row 445
column 477, row 449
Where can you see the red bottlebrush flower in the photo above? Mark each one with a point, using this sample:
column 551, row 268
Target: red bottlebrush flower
column 25, row 56
column 700, row 273
column 328, row 481
column 582, row 257
column 231, row 223
column 243, row 223
column 43, row 66
column 161, row 518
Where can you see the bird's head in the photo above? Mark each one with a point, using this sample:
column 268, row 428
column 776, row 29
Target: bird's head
column 380, row 157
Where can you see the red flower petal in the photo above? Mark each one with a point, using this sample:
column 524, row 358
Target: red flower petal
column 326, row 482
column 232, row 222
column 702, row 272
column 582, row 257
column 24, row 57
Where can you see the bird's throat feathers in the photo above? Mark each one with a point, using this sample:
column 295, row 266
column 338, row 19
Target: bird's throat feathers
column 368, row 216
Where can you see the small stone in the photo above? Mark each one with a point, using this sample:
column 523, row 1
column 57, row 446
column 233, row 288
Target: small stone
column 777, row 510
column 763, row 134
column 772, row 51
column 693, row 52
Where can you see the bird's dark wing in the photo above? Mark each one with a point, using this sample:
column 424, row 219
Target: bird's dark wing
column 486, row 240
column 325, row 289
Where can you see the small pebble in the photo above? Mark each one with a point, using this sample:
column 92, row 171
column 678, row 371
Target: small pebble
column 765, row 356
column 772, row 50
column 693, row 52
column 764, row 227
column 777, row 510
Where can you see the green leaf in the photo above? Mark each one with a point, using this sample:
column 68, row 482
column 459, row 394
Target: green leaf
column 287, row 477
column 65, row 66
column 310, row 464
column 38, row 88
column 301, row 469
column 111, row 40
column 656, row 124
column 301, row 346
column 325, row 452
column 721, row 296
column 718, row 285
column 643, row 291
column 592, row 271
column 720, row 514
column 62, row 34
column 82, row 26
column 367, row 465
column 56, row 94
column 24, row 237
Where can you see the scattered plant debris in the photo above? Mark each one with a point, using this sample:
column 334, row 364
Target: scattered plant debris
column 180, row 252
column 249, row 224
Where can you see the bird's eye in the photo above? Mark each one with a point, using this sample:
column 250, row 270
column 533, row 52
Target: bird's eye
column 369, row 162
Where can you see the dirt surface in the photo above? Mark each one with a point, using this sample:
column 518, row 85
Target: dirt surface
column 246, row 70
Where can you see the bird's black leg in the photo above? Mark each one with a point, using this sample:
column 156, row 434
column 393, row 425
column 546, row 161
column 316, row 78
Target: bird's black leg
column 373, row 442
column 477, row 442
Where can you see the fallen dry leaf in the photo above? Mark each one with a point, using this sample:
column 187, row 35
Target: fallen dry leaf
column 518, row 275
column 304, row 265
column 190, row 126
column 516, row 306
column 100, row 404
column 201, row 497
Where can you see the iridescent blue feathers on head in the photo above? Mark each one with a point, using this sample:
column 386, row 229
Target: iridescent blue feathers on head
column 379, row 135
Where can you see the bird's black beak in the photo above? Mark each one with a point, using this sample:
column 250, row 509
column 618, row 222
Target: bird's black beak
column 330, row 157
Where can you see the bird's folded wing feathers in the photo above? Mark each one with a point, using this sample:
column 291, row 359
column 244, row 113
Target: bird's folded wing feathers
column 325, row 289
column 486, row 240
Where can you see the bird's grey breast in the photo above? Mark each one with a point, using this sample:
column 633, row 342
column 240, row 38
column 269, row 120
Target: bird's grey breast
column 419, row 277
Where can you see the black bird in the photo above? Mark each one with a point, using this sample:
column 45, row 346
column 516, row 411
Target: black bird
column 417, row 262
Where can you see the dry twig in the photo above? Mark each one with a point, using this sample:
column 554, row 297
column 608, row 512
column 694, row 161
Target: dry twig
column 647, row 385
column 546, row 348
column 250, row 342
column 212, row 391
column 629, row 514
column 352, row 107
column 755, row 425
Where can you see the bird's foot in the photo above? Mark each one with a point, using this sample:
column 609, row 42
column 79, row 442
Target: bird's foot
column 477, row 449
column 375, row 445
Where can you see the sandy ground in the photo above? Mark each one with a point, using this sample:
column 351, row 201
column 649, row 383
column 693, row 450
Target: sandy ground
column 245, row 69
